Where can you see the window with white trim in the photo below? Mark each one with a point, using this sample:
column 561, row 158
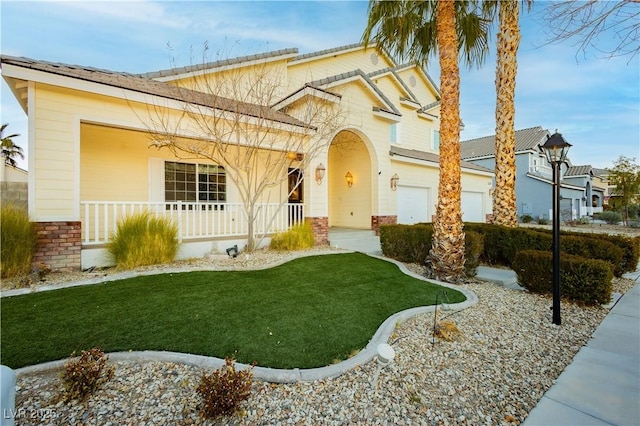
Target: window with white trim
column 204, row 183
column 435, row 140
column 394, row 133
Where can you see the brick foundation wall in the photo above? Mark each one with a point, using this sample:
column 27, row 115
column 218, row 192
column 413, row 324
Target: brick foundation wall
column 376, row 221
column 59, row 245
column 320, row 227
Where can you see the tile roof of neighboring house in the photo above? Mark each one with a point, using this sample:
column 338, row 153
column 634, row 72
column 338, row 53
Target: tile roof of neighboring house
column 526, row 139
column 600, row 172
column 357, row 73
column 578, row 171
column 141, row 84
column 221, row 63
column 435, row 158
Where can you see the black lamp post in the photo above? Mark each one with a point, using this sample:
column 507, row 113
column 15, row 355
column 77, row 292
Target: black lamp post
column 556, row 149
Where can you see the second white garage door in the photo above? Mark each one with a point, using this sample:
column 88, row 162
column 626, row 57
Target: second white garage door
column 471, row 204
column 413, row 205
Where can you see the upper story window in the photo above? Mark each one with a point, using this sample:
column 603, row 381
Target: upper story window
column 394, row 133
column 435, row 140
column 204, row 183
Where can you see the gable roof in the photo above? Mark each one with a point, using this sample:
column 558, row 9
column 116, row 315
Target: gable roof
column 434, row 158
column 359, row 74
column 139, row 83
column 393, row 72
column 526, row 140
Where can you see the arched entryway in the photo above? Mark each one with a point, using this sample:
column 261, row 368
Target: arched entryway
column 350, row 181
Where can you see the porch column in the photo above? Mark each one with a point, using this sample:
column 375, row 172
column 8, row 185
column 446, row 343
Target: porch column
column 320, row 227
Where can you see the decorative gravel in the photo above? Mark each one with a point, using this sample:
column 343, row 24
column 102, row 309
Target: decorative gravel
column 510, row 355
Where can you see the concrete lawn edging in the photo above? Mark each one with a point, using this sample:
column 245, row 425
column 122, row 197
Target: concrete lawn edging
column 275, row 375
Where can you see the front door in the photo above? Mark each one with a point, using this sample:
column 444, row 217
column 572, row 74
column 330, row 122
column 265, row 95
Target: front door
column 295, row 196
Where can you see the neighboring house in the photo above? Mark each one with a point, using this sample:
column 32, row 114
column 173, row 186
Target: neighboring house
column 90, row 161
column 582, row 194
column 13, row 185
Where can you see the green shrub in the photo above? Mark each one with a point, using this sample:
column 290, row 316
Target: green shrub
column 406, row 243
column 411, row 244
column 86, row 374
column 630, row 247
column 18, row 241
column 223, row 390
column 581, row 280
column 142, row 239
column 592, row 248
column 543, row 221
column 297, row 237
column 501, row 243
column 473, row 248
column 526, row 218
column 610, row 217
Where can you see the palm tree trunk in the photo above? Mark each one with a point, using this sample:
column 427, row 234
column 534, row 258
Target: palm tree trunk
column 447, row 250
column 504, row 201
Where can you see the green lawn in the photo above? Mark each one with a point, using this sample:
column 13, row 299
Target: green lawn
column 305, row 313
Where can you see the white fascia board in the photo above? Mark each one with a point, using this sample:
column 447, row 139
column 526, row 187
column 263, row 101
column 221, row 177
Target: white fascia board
column 125, row 94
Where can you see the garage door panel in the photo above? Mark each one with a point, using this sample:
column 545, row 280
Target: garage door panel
column 412, row 204
column 471, row 204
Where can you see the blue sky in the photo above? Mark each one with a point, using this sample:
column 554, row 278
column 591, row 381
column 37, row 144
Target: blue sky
column 593, row 102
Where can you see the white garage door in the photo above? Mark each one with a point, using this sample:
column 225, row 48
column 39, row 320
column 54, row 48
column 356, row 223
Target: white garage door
column 471, row 203
column 412, row 204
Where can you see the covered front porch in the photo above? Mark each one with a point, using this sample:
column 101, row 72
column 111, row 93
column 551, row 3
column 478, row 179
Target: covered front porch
column 203, row 228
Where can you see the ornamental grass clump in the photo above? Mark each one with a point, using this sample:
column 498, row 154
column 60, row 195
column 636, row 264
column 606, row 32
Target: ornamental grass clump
column 143, row 239
column 86, row 374
column 297, row 237
column 18, row 241
column 223, row 390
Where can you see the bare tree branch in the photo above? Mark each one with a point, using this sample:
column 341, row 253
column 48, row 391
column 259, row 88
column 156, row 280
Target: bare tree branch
column 243, row 119
column 611, row 28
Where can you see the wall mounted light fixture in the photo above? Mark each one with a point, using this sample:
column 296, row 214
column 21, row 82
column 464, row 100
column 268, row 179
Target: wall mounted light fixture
column 320, row 169
column 394, row 181
column 349, row 178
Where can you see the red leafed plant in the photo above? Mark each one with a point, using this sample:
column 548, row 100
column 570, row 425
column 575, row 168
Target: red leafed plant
column 86, row 374
column 224, row 389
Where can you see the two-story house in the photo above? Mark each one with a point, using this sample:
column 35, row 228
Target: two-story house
column 91, row 160
column 579, row 195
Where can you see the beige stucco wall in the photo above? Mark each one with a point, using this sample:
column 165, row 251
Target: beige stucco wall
column 74, row 162
column 319, row 67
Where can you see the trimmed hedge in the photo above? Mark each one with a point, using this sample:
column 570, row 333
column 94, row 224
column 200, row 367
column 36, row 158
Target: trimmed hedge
column 411, row 244
column 501, row 244
column 406, row 243
column 581, row 280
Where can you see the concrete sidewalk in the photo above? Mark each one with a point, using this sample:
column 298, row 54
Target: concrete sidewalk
column 601, row 386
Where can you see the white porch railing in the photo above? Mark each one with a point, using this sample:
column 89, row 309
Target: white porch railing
column 194, row 220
